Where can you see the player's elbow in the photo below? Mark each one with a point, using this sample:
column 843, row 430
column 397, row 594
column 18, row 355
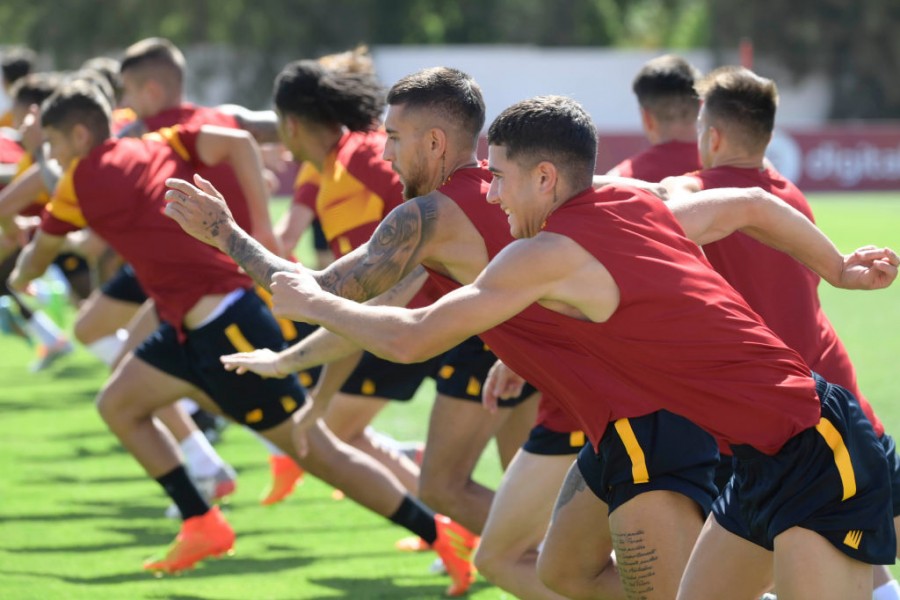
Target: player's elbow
column 404, row 348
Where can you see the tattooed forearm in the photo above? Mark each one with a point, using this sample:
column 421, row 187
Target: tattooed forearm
column 392, row 253
column 255, row 259
column 636, row 561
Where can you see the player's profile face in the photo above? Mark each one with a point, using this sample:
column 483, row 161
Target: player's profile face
column 403, row 149
column 510, row 189
column 62, row 147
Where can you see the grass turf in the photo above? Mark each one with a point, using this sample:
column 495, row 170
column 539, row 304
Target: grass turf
column 77, row 514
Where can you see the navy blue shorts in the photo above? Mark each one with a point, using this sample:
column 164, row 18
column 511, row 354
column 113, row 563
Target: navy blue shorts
column 547, row 442
column 380, row 378
column 659, row 451
column 249, row 399
column 124, row 286
column 890, row 453
column 460, row 372
column 71, row 264
column 463, row 370
column 832, row 479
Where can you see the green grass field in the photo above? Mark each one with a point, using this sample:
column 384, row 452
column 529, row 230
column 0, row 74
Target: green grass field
column 77, row 514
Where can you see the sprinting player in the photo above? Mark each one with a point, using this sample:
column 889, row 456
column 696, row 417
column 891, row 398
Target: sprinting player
column 668, row 102
column 151, row 78
column 327, row 118
column 206, row 305
column 433, row 122
column 654, row 306
column 735, row 126
column 16, row 63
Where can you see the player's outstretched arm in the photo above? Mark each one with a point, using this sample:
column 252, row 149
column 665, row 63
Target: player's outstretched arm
column 321, row 347
column 22, row 192
column 711, row 215
column 34, row 259
column 525, row 272
column 201, row 211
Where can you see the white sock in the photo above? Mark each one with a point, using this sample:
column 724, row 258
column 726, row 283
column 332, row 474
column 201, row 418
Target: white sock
column 202, row 460
column 888, row 591
column 272, row 448
column 108, row 347
column 44, row 328
column 188, row 406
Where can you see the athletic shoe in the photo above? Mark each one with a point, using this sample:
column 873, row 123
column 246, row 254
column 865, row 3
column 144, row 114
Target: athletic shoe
column 11, row 321
column 47, row 355
column 200, row 537
column 768, row 596
column 286, row 474
column 412, row 543
column 456, row 546
column 212, row 488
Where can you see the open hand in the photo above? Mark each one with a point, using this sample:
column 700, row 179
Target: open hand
column 200, row 210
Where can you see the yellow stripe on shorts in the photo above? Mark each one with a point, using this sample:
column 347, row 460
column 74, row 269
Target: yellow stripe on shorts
column 237, row 339
column 834, row 440
column 635, row 453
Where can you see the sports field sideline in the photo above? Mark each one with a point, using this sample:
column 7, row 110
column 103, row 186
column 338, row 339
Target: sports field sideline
column 77, row 515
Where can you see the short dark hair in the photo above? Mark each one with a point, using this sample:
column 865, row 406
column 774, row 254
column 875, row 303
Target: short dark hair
column 108, row 67
column 34, row 88
column 737, row 99
column 16, row 63
column 307, row 90
column 665, row 87
column 154, row 53
column 552, row 128
column 77, row 102
column 448, row 92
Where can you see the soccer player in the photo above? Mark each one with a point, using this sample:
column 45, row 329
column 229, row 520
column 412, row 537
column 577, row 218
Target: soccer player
column 735, row 125
column 641, row 325
column 206, row 306
column 665, row 92
column 433, row 122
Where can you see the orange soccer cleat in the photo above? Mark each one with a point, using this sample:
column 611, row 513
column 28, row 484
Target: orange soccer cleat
column 286, row 474
column 199, row 538
column 456, row 545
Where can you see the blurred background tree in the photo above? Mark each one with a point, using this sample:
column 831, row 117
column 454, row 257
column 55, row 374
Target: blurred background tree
column 853, row 42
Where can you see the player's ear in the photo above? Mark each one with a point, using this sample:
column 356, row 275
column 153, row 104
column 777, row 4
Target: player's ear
column 546, row 175
column 437, row 139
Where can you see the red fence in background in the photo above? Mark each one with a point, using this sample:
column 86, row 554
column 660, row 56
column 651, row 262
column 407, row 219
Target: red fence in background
column 844, row 158
column 827, row 159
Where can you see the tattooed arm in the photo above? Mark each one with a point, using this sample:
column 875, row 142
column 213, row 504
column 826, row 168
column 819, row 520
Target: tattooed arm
column 398, row 245
column 201, row 211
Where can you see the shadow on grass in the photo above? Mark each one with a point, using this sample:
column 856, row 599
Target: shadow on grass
column 373, row 589
column 211, row 568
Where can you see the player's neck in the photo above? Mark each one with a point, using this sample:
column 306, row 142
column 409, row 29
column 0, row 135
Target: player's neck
column 739, row 160
column 450, row 166
column 675, row 132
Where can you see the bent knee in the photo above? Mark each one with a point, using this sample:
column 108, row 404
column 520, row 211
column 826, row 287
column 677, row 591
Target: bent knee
column 562, row 580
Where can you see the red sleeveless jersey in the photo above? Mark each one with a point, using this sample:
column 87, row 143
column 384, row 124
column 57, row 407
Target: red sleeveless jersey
column 781, row 290
column 118, row 190
column 468, row 188
column 681, row 339
column 660, row 161
column 222, row 175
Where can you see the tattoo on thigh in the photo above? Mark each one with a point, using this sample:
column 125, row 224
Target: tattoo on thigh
column 573, row 484
column 636, row 561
